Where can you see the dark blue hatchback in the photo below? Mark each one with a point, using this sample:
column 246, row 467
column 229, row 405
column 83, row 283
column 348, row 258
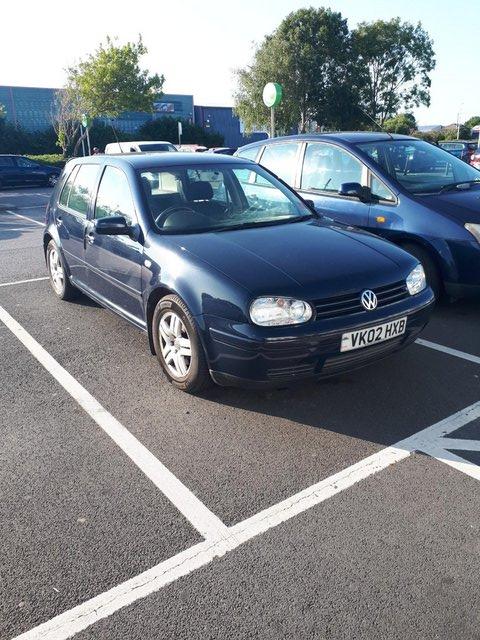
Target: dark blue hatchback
column 231, row 274
column 401, row 188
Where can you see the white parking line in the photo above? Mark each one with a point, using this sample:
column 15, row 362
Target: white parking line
column 19, row 215
column 11, row 284
column 105, row 604
column 448, row 350
column 206, row 522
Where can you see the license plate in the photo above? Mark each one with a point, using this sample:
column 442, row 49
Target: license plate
column 372, row 335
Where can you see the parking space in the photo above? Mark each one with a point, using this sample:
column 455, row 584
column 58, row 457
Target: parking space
column 85, row 513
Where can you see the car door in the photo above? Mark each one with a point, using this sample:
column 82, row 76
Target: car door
column 115, row 262
column 30, row 172
column 71, row 217
column 325, row 167
column 8, row 171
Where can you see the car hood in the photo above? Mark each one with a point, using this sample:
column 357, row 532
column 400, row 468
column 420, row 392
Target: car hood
column 322, row 259
column 464, row 206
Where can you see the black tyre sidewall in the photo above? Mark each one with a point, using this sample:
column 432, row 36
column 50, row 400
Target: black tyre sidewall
column 198, row 376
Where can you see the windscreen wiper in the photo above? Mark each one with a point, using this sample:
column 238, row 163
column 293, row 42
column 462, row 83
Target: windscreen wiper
column 466, row 184
column 265, row 223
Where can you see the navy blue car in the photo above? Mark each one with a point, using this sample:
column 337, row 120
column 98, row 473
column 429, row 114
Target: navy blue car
column 231, row 274
column 18, row 171
column 411, row 192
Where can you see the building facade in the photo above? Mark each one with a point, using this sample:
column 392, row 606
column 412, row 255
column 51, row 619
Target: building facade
column 32, row 108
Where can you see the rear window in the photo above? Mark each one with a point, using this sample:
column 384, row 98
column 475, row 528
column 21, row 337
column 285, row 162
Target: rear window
column 157, row 147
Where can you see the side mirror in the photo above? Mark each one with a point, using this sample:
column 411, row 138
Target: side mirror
column 355, row 190
column 112, row 226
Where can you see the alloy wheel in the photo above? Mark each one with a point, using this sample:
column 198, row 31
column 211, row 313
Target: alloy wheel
column 175, row 344
column 56, row 271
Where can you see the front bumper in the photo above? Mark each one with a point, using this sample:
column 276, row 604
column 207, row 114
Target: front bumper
column 259, row 357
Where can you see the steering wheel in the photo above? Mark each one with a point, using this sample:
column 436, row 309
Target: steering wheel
column 163, row 217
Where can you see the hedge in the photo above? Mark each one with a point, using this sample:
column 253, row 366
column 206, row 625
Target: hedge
column 55, row 159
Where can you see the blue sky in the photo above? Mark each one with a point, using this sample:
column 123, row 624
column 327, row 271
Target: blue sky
column 196, row 45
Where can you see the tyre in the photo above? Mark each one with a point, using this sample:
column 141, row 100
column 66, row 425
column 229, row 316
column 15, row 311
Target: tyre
column 58, row 277
column 429, row 266
column 178, row 346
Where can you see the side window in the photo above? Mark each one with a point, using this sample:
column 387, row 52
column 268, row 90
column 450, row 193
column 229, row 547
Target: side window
column 281, row 158
column 249, row 154
column 6, row 161
column 114, row 197
column 82, row 188
column 380, row 191
column 326, row 167
column 67, row 187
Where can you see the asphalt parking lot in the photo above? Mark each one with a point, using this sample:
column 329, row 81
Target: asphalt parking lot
column 347, row 508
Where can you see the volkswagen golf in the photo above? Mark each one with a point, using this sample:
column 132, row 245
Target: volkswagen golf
column 233, row 276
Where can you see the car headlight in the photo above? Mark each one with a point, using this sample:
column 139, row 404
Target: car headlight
column 474, row 230
column 416, row 280
column 269, row 312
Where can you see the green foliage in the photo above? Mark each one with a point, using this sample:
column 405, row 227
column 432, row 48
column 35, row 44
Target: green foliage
column 395, row 59
column 451, row 133
column 472, row 122
column 3, row 112
column 404, row 123
column 110, row 81
column 17, row 140
column 430, row 136
column 309, row 54
column 52, row 159
column 167, row 129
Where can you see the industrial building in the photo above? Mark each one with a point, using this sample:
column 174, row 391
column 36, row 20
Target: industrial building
column 32, row 108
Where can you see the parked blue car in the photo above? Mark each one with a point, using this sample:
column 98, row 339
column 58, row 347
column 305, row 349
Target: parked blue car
column 18, row 171
column 232, row 275
column 411, row 192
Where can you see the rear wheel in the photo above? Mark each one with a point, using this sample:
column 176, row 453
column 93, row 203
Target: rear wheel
column 58, row 277
column 431, row 271
column 178, row 347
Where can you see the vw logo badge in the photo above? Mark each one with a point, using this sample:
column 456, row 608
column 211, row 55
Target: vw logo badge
column 369, row 300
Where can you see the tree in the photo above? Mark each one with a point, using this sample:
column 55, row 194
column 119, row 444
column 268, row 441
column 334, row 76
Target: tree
column 309, row 54
column 396, row 58
column 472, row 122
column 108, row 83
column 404, row 123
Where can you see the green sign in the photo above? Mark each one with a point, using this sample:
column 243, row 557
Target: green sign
column 86, row 121
column 272, row 94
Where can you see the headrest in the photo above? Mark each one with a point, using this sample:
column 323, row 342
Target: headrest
column 147, row 187
column 201, row 190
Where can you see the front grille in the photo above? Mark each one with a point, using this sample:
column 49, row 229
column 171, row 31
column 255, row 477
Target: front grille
column 352, row 359
column 291, row 372
column 348, row 304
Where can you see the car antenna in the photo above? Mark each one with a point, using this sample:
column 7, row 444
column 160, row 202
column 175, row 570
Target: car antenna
column 376, row 123
column 116, row 137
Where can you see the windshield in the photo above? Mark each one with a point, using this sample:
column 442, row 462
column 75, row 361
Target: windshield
column 194, row 199
column 420, row 167
column 157, row 147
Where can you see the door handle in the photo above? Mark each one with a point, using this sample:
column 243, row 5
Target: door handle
column 90, row 237
column 58, row 221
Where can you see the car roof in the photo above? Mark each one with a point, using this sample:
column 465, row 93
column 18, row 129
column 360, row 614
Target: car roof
column 339, row 136
column 168, row 158
column 142, row 142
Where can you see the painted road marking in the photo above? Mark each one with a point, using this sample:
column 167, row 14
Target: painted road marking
column 73, row 621
column 11, row 284
column 206, row 522
column 448, row 350
column 19, row 215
